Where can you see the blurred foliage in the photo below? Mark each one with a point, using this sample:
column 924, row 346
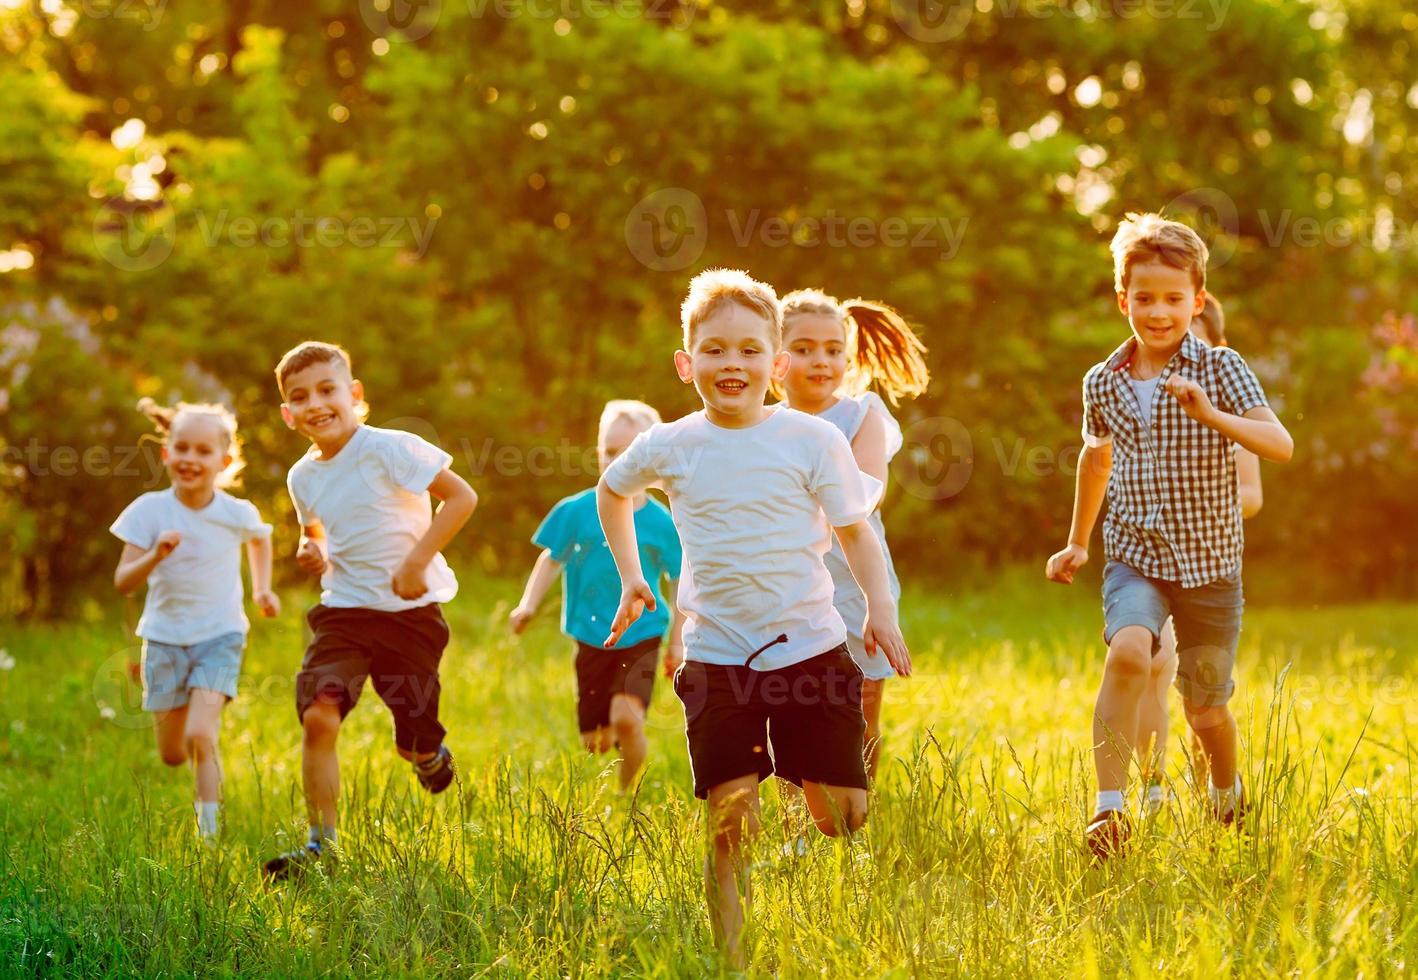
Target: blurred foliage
column 497, row 204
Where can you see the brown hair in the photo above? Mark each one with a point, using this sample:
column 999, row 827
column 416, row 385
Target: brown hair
column 882, row 348
column 311, row 352
column 1211, row 322
column 1153, row 238
column 164, row 418
column 712, row 289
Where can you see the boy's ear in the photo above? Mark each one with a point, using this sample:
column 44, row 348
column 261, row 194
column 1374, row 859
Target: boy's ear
column 287, row 417
column 1123, row 301
column 1200, row 303
column 781, row 362
column 357, row 389
column 684, row 366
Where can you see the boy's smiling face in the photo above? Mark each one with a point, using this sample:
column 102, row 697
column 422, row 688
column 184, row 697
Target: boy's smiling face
column 1160, row 302
column 322, row 403
column 730, row 363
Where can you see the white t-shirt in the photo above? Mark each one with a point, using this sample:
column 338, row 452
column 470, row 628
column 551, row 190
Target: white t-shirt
column 195, row 593
column 372, row 498
column 753, row 508
column 1144, row 390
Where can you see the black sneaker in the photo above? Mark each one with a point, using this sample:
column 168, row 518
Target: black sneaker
column 292, row 863
column 1107, row 835
column 437, row 773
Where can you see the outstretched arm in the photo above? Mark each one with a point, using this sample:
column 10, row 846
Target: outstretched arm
column 544, row 573
column 864, row 556
column 1095, row 463
column 617, row 515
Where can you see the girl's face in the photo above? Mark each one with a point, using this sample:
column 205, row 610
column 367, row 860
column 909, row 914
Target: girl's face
column 196, row 451
column 619, row 436
column 817, row 346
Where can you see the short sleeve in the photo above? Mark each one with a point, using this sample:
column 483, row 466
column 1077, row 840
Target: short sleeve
column 638, row 467
column 871, row 401
column 1095, row 427
column 557, row 532
column 411, row 462
column 302, row 513
column 252, row 527
column 1237, row 387
column 667, row 546
column 137, row 525
column 845, row 494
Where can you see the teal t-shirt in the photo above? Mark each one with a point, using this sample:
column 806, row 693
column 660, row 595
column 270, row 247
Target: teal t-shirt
column 591, row 587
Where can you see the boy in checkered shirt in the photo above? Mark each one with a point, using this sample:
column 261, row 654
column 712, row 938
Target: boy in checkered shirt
column 1160, row 416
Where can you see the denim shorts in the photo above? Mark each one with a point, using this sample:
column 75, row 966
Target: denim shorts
column 170, row 671
column 1207, row 620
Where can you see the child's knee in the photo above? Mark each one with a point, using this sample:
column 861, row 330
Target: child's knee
column 1129, row 656
column 1202, row 717
column 173, row 755
column 626, row 725
column 201, row 744
column 849, row 823
column 321, row 721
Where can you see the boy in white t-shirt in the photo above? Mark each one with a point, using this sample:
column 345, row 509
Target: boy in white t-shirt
column 767, row 684
column 361, row 496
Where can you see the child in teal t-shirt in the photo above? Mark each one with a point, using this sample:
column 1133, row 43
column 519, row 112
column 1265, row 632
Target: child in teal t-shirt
column 613, row 686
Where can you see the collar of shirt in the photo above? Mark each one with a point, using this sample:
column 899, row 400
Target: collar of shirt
column 1192, row 350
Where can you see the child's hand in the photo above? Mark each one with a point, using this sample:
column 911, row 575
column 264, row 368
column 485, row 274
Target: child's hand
column 268, row 602
column 885, row 635
column 1193, row 398
column 167, row 541
column 135, row 672
column 519, row 619
column 674, row 656
column 635, row 598
column 410, row 581
column 1064, row 563
column 310, row 556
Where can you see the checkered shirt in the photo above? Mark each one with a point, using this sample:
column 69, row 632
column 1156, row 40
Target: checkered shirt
column 1174, row 512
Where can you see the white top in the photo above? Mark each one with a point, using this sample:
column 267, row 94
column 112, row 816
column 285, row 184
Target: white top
column 1144, row 390
column 372, row 498
column 195, row 593
column 753, row 508
column 848, row 414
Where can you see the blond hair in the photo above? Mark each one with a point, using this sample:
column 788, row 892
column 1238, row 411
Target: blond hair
column 882, row 349
column 1212, row 322
column 713, row 289
column 1153, row 238
column 311, row 352
column 641, row 414
column 164, row 419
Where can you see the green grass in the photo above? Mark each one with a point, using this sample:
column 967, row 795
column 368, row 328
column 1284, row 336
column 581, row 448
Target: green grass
column 970, row 861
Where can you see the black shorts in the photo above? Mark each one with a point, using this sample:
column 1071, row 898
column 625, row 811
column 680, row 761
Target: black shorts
column 601, row 674
column 398, row 652
column 802, row 722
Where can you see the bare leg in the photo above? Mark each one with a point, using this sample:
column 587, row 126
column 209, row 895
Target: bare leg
column 1125, row 677
column 836, row 810
column 628, row 727
column 733, row 822
column 872, row 692
column 204, row 720
column 1152, row 722
column 320, row 762
column 170, row 727
column 1215, row 730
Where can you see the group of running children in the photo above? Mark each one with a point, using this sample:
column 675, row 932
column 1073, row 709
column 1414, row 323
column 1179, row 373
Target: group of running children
column 783, row 629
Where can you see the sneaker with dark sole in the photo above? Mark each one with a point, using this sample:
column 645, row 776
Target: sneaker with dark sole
column 292, row 863
column 1107, row 835
column 436, row 774
column 1240, row 810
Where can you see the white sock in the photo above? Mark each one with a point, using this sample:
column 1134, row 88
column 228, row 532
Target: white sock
column 206, row 818
column 1223, row 800
column 1109, row 799
column 1155, row 796
column 320, row 836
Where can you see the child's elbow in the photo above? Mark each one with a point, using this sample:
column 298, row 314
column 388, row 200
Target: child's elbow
column 1251, row 503
column 1285, row 450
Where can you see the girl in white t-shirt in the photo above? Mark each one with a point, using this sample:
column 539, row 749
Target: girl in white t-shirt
column 839, row 351
column 185, row 543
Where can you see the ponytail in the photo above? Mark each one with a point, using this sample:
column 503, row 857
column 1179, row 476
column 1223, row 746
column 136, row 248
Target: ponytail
column 887, row 351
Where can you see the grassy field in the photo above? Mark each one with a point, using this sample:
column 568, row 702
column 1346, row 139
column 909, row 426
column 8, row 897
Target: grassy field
column 970, row 862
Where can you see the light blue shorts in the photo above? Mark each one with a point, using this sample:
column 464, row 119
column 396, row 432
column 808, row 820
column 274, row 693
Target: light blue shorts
column 1207, row 620
column 170, row 672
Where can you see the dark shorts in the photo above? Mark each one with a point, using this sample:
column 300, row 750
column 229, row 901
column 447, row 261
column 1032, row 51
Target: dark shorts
column 601, row 674
column 802, row 722
column 398, row 652
column 1207, row 620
